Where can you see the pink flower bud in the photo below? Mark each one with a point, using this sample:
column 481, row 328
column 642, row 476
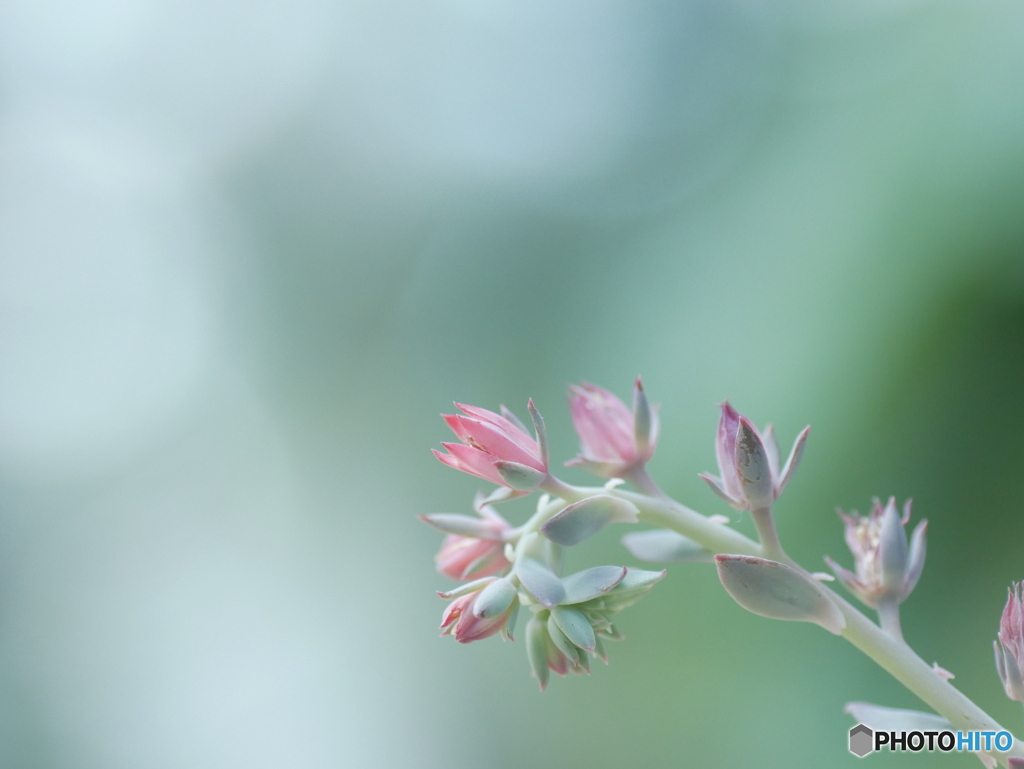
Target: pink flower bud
column 491, row 441
column 613, row 438
column 887, row 568
column 749, row 476
column 1010, row 647
column 466, row 557
column 460, row 621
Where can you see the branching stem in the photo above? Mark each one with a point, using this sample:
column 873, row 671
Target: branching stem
column 885, row 646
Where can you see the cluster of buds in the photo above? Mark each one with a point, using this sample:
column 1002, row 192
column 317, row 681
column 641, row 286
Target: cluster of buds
column 564, row 637
column 507, row 568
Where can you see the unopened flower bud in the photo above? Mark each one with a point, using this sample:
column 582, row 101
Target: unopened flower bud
column 613, row 439
column 748, row 462
column 474, row 547
column 887, row 567
column 460, row 619
column 562, row 638
column 1009, row 648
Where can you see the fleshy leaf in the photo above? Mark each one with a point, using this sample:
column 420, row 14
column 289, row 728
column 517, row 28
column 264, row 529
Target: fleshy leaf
column 1013, row 682
column 540, row 582
column 537, row 650
column 519, row 476
column 576, row 626
column 795, row 455
column 665, row 546
column 500, row 494
column 508, row 631
column 494, row 599
column 462, row 525
column 893, row 551
column 469, row 587
column 774, row 590
column 562, row 642
column 915, row 563
column 771, row 446
column 896, row 720
column 643, row 419
column 753, row 467
column 715, row 484
column 637, row 579
column 581, row 520
column 634, row 586
column 591, row 583
column 540, row 430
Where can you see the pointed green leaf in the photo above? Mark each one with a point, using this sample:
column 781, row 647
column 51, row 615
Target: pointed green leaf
column 665, row 546
column 494, row 599
column 469, row 587
column 753, row 466
column 795, row 455
column 893, row 550
column 564, row 644
column 643, row 419
column 540, row 582
column 537, row 650
column 517, row 476
column 463, row 525
column 896, row 720
column 540, row 430
column 590, row 583
column 575, row 625
column 774, row 590
column 510, row 626
column 581, row 520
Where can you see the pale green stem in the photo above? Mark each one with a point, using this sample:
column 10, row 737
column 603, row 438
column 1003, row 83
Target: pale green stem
column 889, row 618
column 766, row 532
column 543, row 515
column 644, row 483
column 891, row 653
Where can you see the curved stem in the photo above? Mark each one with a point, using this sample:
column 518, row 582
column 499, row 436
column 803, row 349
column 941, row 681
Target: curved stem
column 891, row 653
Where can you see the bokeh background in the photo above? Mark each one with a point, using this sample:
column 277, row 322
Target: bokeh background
column 250, row 250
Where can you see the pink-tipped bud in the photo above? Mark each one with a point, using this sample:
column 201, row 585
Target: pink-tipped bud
column 474, row 547
column 887, row 566
column 489, row 439
column 613, row 438
column 461, row 621
column 749, row 476
column 1010, row 646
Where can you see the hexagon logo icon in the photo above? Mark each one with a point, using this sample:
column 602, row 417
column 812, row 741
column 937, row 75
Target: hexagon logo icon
column 861, row 740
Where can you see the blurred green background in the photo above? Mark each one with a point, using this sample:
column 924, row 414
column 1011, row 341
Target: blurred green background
column 249, row 251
